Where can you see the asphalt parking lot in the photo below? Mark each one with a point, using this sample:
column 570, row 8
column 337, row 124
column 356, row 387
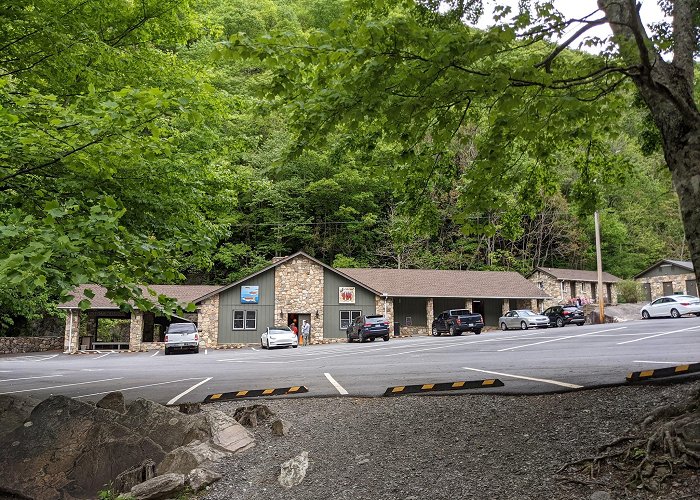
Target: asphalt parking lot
column 533, row 361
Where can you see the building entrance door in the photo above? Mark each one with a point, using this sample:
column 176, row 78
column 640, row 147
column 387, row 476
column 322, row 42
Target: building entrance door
column 306, row 317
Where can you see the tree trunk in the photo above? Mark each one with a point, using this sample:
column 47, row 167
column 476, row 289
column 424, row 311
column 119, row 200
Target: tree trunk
column 667, row 90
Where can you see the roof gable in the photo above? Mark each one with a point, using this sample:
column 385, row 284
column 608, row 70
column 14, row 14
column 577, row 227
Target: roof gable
column 683, row 264
column 575, row 274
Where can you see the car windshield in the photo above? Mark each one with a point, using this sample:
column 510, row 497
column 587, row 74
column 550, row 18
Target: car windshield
column 459, row 312
column 280, row 329
column 374, row 319
column 182, row 328
column 684, row 298
column 526, row 312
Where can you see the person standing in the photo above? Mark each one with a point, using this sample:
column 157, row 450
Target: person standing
column 305, row 331
column 293, row 327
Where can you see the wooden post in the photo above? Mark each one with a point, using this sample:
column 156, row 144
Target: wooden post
column 599, row 261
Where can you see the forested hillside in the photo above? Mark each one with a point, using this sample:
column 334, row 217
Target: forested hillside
column 140, row 144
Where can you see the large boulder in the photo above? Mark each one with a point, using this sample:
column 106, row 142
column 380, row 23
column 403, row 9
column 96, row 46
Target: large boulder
column 198, row 479
column 14, row 410
column 113, row 401
column 191, row 456
column 165, row 486
column 71, row 449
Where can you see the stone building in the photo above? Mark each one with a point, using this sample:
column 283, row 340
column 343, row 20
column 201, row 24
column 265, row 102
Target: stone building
column 668, row 277
column 564, row 286
column 299, row 287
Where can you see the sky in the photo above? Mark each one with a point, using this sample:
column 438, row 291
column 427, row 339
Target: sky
column 650, row 12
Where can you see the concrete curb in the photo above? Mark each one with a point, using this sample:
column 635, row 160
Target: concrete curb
column 442, row 386
column 254, row 393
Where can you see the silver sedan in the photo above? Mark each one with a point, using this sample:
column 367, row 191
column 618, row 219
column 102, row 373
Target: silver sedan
column 523, row 319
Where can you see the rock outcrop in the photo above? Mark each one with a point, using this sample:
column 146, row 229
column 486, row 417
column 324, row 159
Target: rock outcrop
column 70, row 449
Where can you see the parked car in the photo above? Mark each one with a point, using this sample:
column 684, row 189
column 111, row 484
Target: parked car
column 368, row 327
column 278, row 336
column 181, row 337
column 564, row 315
column 672, row 305
column 523, row 319
column 456, row 322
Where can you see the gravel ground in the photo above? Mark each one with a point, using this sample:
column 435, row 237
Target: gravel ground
column 451, row 447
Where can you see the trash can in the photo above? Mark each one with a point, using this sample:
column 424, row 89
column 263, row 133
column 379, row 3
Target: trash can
column 397, row 329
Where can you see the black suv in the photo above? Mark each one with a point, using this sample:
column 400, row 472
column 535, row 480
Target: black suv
column 368, row 327
column 563, row 315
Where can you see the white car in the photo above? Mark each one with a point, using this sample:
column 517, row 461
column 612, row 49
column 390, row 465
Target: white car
column 672, row 305
column 523, row 319
column 278, row 336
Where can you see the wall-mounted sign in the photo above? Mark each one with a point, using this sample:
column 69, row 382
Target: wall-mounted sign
column 249, row 295
column 346, row 294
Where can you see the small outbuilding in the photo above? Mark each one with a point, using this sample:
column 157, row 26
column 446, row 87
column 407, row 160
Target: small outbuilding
column 668, row 277
column 567, row 286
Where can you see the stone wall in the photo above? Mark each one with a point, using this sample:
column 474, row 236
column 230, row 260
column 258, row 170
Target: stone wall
column 208, row 321
column 379, row 309
column 71, row 336
column 136, row 331
column 657, row 287
column 553, row 287
column 299, row 289
column 15, row 345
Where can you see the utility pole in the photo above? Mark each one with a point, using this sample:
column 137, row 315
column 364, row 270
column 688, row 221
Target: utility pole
column 599, row 262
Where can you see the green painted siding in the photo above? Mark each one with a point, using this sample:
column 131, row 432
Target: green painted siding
column 364, row 301
column 230, row 300
column 665, row 270
column 415, row 308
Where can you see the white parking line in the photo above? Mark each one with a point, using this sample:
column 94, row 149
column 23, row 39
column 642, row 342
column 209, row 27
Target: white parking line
column 135, row 387
column 336, row 384
column 172, row 401
column 659, row 335
column 155, row 353
column 546, row 381
column 29, row 378
column 106, row 354
column 63, row 385
column 452, row 344
column 206, row 351
column 560, row 338
column 666, row 362
column 47, row 357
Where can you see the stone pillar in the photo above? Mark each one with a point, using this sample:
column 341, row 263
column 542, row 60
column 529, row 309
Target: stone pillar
column 540, row 305
column 208, row 321
column 299, row 289
column 71, row 338
column 505, row 306
column 533, row 305
column 429, row 311
column 468, row 305
column 136, row 331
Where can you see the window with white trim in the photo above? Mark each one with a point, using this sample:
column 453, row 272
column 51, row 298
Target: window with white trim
column 347, row 317
column 244, row 320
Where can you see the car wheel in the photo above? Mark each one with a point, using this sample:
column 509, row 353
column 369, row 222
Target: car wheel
column 645, row 315
column 560, row 322
column 386, row 338
column 196, row 351
column 504, row 327
column 435, row 332
column 579, row 324
column 261, row 345
column 371, row 339
column 452, row 330
column 477, row 332
column 675, row 313
column 268, row 343
column 349, row 338
column 167, row 352
column 523, row 325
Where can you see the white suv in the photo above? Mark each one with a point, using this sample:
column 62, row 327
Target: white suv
column 181, row 337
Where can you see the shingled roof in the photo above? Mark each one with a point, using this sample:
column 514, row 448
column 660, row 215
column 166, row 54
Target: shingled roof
column 439, row 283
column 184, row 294
column 576, row 274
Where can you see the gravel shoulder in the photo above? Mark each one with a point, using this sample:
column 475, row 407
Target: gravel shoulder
column 470, row 446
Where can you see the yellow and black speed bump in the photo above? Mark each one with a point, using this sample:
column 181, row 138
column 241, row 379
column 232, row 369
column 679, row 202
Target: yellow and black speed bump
column 443, row 386
column 663, row 372
column 254, row 393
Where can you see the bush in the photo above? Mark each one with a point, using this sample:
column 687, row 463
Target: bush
column 629, row 291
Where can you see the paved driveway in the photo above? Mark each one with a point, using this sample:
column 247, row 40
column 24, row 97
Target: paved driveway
column 533, row 361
